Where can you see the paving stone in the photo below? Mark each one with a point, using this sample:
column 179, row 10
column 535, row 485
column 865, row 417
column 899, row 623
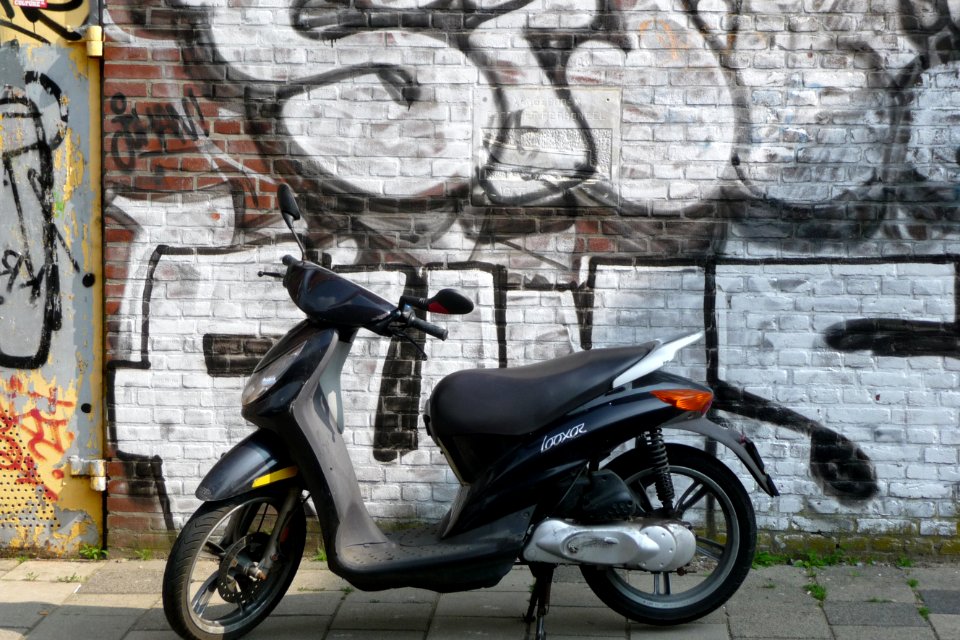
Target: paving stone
column 385, row 616
column 290, row 628
column 946, row 626
column 153, row 620
column 97, row 604
column 570, row 594
column 453, row 628
column 23, row 604
column 770, row 619
column 944, row 577
column 360, row 634
column 395, row 595
column 710, row 631
column 865, row 584
column 519, row 579
column 786, row 575
column 61, row 624
column 718, row 616
column 880, row 633
column 497, row 604
column 774, row 585
column 316, row 603
column 37, row 592
column 8, row 564
column 13, row 634
column 584, row 622
column 126, row 577
column 53, row 571
column 938, row 601
column 787, row 596
column 563, row 573
column 873, row 614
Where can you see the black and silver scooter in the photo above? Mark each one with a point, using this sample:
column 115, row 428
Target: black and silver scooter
column 562, row 462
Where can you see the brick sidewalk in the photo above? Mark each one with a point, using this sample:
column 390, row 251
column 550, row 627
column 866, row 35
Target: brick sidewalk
column 120, row 600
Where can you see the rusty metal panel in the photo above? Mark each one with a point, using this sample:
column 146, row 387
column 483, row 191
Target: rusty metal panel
column 51, row 319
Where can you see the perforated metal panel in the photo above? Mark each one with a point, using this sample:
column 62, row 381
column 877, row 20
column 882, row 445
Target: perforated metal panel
column 20, row 506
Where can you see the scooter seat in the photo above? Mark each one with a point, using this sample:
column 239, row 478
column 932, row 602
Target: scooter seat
column 520, row 400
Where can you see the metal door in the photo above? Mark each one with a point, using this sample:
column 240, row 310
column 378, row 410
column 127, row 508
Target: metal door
column 51, row 317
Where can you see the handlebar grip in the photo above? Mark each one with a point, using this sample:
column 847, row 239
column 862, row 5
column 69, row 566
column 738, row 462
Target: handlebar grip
column 417, row 303
column 427, row 328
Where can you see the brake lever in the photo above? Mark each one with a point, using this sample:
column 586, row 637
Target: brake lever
column 400, row 333
column 392, row 325
column 272, row 274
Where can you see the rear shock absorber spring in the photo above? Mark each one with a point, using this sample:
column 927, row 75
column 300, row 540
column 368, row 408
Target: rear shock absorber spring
column 656, row 452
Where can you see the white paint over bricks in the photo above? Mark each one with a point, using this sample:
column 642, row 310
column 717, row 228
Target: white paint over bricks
column 753, row 173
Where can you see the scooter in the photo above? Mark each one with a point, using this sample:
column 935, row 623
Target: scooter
column 560, row 463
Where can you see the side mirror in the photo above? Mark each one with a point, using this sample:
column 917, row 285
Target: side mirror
column 288, row 202
column 290, row 212
column 450, row 301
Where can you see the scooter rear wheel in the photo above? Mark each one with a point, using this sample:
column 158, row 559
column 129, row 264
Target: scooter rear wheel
column 207, row 594
column 713, row 501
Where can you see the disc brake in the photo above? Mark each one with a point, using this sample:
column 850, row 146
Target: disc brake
column 235, row 581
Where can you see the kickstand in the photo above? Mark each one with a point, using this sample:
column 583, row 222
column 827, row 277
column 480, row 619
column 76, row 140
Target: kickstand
column 540, row 598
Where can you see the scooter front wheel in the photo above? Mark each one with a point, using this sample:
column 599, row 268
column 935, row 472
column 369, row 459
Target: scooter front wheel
column 210, row 587
column 713, row 502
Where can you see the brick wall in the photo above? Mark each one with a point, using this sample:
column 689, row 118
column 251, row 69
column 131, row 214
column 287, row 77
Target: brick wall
column 782, row 175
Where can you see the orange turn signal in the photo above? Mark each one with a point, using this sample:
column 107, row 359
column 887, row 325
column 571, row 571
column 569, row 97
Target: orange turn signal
column 686, row 399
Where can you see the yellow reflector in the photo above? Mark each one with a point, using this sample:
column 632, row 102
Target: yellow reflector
column 686, row 399
column 276, row 476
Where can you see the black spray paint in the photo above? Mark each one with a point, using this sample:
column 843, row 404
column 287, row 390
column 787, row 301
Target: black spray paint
column 32, row 264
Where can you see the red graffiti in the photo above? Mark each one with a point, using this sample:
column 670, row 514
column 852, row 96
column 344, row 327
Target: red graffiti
column 47, row 431
column 41, row 427
column 12, row 458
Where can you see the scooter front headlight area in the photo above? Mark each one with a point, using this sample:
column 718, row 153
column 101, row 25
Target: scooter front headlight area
column 261, row 381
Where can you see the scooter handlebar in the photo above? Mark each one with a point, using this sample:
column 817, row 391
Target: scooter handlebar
column 408, row 318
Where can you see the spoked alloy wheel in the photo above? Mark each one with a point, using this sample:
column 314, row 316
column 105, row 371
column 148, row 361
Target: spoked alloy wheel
column 208, row 592
column 710, row 499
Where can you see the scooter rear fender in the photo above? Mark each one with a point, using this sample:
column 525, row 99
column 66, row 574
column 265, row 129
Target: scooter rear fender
column 742, row 446
column 638, row 395
column 259, row 460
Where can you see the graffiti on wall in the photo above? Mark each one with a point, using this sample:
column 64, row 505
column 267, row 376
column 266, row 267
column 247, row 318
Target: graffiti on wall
column 49, row 402
column 30, row 262
column 34, row 436
column 546, row 150
column 165, row 125
column 44, row 22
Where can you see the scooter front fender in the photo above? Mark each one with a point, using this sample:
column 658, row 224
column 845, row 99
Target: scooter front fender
column 258, row 460
column 740, row 444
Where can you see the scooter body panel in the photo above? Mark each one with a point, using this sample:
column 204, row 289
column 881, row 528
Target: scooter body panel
column 542, row 469
column 258, row 460
column 308, row 428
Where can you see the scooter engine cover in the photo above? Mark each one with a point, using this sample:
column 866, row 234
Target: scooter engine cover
column 653, row 545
